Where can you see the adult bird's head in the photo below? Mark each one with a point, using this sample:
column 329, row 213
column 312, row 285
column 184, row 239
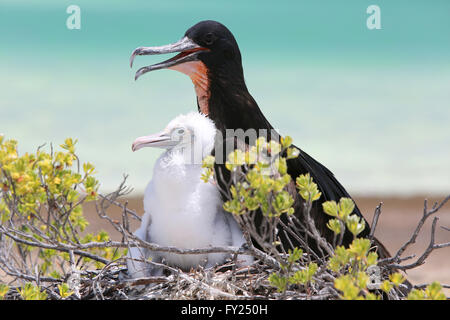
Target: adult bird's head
column 209, row 54
column 190, row 137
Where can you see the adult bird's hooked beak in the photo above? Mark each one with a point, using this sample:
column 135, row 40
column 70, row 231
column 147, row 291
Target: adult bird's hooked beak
column 157, row 140
column 188, row 49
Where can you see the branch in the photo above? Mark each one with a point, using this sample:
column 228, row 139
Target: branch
column 394, row 261
column 432, row 246
column 376, row 215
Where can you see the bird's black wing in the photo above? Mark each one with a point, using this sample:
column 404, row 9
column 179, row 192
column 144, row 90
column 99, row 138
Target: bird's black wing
column 329, row 186
column 331, row 190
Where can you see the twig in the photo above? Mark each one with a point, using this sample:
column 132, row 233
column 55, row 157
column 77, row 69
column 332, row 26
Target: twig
column 393, row 261
column 432, row 246
column 376, row 215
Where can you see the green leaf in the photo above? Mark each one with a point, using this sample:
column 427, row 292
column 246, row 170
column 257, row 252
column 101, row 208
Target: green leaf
column 416, row 294
column 434, row 291
column 386, row 286
column 334, row 225
column 208, row 162
column 304, row 276
column 207, row 175
column 281, row 164
column 362, row 280
column 307, row 188
column 292, row 153
column 3, row 290
column 31, row 292
column 397, row 278
column 294, row 255
column 286, row 142
column 278, row 281
column 340, row 258
column 372, row 258
column 64, row 290
column 330, row 208
column 274, row 147
column 355, row 224
column 360, row 247
column 283, row 201
column 251, row 203
column 349, row 290
column 88, row 168
column 345, row 208
column 236, row 158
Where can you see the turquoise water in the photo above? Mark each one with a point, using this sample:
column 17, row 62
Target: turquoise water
column 372, row 105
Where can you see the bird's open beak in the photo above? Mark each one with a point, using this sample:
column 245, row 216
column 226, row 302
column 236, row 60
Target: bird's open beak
column 158, row 140
column 188, row 51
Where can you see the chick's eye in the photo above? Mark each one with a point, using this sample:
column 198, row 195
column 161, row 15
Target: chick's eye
column 180, row 131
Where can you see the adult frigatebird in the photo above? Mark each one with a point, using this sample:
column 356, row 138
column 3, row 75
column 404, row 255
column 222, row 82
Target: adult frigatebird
column 209, row 54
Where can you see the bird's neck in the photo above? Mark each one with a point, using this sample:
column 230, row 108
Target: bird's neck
column 173, row 176
column 177, row 170
column 203, row 95
column 198, row 72
column 231, row 106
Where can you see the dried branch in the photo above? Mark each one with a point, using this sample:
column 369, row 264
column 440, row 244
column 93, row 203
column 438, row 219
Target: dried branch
column 394, row 261
column 375, row 220
column 421, row 260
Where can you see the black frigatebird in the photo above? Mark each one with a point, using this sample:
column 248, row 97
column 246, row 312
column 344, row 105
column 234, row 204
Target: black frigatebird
column 209, row 54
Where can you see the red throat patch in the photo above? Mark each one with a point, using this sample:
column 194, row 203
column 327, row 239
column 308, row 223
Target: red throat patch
column 198, row 72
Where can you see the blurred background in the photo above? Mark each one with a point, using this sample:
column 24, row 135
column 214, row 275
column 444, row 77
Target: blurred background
column 371, row 105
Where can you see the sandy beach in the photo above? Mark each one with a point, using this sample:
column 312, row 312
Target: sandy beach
column 397, row 222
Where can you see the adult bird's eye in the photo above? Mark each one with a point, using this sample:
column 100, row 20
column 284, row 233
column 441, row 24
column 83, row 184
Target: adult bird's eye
column 209, row 38
column 180, row 131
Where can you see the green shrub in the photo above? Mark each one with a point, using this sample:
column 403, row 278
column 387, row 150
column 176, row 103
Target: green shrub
column 41, row 214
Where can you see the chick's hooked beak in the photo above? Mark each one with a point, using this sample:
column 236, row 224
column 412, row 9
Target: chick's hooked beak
column 188, row 51
column 158, row 140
